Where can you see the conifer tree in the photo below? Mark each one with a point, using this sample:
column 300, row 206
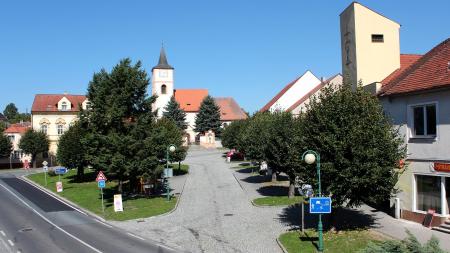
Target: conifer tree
column 208, row 118
column 174, row 112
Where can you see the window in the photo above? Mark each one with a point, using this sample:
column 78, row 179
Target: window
column 378, row 38
column 63, row 106
column 428, row 193
column 424, row 120
column 11, row 138
column 44, row 129
column 60, row 129
column 163, row 89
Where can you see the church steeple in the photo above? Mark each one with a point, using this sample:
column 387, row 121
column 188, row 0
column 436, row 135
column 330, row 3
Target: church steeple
column 162, row 63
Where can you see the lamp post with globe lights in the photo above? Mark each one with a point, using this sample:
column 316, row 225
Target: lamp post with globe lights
column 170, row 149
column 311, row 156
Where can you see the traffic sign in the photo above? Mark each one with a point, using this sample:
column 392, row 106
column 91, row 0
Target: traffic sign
column 60, row 171
column 45, row 163
column 45, row 168
column 320, row 205
column 101, row 176
column 101, row 184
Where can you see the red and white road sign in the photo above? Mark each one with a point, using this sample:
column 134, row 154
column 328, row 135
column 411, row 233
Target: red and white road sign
column 101, row 176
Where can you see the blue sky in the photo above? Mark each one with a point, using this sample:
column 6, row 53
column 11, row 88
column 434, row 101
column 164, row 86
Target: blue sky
column 245, row 49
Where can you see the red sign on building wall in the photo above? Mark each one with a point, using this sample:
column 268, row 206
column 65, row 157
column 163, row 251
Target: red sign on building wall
column 444, row 167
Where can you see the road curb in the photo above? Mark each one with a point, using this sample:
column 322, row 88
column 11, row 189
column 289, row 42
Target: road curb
column 64, row 200
column 281, row 246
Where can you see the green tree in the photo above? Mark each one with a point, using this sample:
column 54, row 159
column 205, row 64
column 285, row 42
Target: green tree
column 5, row 146
column 10, row 111
column 174, row 112
column 359, row 147
column 34, row 143
column 178, row 156
column 208, row 117
column 254, row 137
column 231, row 134
column 71, row 151
column 21, row 117
column 166, row 133
column 119, row 123
column 279, row 152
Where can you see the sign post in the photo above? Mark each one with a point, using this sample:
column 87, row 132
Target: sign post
column 118, row 207
column 60, row 171
column 101, row 181
column 45, row 163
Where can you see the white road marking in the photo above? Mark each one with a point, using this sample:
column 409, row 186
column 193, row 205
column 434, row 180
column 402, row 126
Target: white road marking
column 10, row 243
column 51, row 223
column 3, row 233
column 138, row 237
column 49, row 194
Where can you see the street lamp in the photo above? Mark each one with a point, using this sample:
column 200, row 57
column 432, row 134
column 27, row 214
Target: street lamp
column 310, row 156
column 171, row 148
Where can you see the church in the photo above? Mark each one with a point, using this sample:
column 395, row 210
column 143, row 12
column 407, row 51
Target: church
column 189, row 99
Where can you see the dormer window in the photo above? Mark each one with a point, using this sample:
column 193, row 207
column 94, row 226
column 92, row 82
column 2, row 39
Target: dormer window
column 163, row 89
column 63, row 106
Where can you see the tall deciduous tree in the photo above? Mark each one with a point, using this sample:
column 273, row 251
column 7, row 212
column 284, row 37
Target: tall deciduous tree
column 10, row 111
column 232, row 133
column 208, row 118
column 5, row 146
column 34, row 143
column 280, row 153
column 174, row 112
column 359, row 147
column 71, row 151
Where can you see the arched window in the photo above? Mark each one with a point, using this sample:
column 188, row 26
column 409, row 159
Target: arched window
column 60, row 129
column 44, row 128
column 64, row 106
column 163, row 89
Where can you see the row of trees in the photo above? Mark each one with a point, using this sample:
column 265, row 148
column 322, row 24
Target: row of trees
column 359, row 147
column 13, row 115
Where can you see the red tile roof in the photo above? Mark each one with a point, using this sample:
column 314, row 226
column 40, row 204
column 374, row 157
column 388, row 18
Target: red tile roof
column 49, row 102
column 406, row 60
column 278, row 96
column 431, row 71
column 190, row 99
column 229, row 109
column 19, row 128
column 309, row 94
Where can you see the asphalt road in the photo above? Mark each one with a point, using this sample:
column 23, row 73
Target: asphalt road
column 33, row 221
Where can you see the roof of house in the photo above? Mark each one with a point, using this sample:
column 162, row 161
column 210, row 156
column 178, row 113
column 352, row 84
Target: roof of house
column 19, row 128
column 312, row 92
column 431, row 71
column 406, row 60
column 278, row 96
column 162, row 63
column 229, row 109
column 49, row 102
column 190, row 99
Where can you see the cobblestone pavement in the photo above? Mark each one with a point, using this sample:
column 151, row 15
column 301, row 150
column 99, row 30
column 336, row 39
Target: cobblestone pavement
column 214, row 213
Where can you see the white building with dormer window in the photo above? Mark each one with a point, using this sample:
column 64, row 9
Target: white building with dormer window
column 54, row 113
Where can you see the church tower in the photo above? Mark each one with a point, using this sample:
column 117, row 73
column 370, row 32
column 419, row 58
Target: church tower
column 162, row 83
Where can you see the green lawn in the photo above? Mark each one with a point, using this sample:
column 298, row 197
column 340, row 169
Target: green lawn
column 87, row 195
column 277, row 201
column 342, row 242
